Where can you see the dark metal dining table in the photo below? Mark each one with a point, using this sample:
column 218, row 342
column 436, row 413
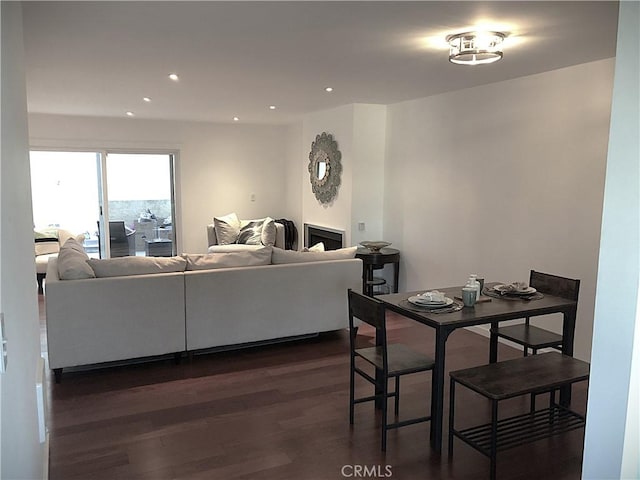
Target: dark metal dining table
column 490, row 312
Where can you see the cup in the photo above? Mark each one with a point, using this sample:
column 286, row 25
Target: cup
column 469, row 296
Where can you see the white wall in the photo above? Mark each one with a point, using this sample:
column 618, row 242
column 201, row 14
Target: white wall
column 293, row 172
column 369, row 139
column 611, row 437
column 359, row 130
column 500, row 179
column 339, row 123
column 21, row 453
column 219, row 165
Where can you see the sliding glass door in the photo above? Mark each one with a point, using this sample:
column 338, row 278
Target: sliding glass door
column 123, row 203
column 65, row 192
column 140, row 204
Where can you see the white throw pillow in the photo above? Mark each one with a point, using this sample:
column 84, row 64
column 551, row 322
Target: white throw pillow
column 246, row 258
column 227, row 228
column 318, row 247
column 73, row 262
column 280, row 256
column 125, row 266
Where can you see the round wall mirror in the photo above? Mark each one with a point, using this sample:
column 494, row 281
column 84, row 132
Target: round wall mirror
column 325, row 167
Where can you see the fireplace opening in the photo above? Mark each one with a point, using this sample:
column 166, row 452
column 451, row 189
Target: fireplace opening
column 333, row 239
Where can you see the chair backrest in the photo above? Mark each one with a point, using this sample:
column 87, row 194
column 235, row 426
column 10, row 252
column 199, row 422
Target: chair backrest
column 554, row 285
column 367, row 309
column 117, row 232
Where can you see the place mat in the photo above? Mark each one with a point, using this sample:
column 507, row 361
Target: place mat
column 490, row 292
column 454, row 307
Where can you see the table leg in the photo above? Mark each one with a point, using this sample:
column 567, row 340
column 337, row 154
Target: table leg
column 568, row 333
column 493, row 343
column 396, row 276
column 437, row 390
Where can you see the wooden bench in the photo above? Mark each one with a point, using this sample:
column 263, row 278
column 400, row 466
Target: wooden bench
column 512, row 378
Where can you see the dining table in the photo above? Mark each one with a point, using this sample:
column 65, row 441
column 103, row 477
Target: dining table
column 491, row 311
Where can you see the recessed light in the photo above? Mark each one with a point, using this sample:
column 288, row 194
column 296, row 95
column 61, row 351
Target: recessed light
column 130, row 114
column 272, row 107
column 328, row 89
column 174, row 77
column 146, row 99
column 236, row 119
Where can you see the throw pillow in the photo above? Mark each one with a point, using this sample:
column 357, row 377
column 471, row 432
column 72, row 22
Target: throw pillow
column 318, row 247
column 227, row 228
column 261, row 231
column 125, row 266
column 72, row 262
column 280, row 256
column 247, row 258
column 251, row 233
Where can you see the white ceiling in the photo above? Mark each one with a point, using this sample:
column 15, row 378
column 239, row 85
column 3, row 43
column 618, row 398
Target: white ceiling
column 237, row 58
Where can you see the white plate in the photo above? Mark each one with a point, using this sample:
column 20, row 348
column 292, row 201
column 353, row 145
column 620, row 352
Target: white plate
column 419, row 300
column 507, row 289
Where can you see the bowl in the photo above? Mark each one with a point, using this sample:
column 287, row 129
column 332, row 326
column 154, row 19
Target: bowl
column 375, row 246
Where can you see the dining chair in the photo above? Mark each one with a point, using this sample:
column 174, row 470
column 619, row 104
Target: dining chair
column 388, row 360
column 535, row 338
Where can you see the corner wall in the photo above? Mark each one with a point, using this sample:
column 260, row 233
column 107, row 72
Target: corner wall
column 612, row 432
column 501, row 179
column 22, row 455
column 359, row 130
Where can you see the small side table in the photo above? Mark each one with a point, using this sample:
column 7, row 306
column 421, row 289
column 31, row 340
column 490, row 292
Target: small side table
column 372, row 260
column 158, row 247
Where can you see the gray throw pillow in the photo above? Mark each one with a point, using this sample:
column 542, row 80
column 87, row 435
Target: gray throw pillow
column 227, row 228
column 125, row 266
column 72, row 262
column 261, row 231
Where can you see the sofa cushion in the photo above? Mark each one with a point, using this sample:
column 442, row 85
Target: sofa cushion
column 261, row 231
column 227, row 228
column 236, row 247
column 47, row 247
column 125, row 266
column 72, row 262
column 245, row 258
column 289, row 256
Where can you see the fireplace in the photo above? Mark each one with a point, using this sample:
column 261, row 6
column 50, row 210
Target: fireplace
column 333, row 239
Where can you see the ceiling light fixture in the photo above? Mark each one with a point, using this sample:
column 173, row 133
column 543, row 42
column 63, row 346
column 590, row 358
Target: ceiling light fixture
column 146, row 99
column 236, row 119
column 328, row 89
column 272, row 107
column 475, row 48
column 174, row 77
column 130, row 114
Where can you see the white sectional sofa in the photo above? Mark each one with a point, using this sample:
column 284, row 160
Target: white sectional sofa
column 97, row 320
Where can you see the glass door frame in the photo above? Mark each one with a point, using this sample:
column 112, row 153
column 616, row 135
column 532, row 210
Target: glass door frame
column 103, row 201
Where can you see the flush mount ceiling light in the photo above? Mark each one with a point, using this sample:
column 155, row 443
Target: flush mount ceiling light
column 174, row 77
column 475, row 48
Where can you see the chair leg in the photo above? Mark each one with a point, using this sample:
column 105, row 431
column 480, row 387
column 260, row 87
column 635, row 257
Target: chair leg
column 526, row 351
column 351, row 390
column 397, row 403
column 385, row 399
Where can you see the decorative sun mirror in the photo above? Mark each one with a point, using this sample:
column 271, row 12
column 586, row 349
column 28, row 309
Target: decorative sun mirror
column 325, row 167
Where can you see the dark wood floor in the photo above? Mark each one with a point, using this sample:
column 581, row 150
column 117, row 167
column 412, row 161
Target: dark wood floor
column 276, row 412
